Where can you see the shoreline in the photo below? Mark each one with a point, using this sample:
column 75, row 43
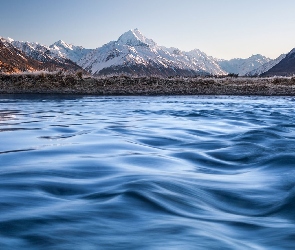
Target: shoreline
column 57, row 83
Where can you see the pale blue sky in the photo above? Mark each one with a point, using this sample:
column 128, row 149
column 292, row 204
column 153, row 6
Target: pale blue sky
column 220, row 28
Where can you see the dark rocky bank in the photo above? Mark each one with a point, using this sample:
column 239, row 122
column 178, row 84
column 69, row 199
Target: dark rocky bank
column 58, row 83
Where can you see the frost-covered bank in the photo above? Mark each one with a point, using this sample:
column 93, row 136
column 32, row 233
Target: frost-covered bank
column 57, row 83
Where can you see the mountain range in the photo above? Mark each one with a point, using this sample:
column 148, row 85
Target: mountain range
column 133, row 54
column 24, row 56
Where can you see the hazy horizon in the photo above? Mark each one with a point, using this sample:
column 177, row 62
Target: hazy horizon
column 223, row 29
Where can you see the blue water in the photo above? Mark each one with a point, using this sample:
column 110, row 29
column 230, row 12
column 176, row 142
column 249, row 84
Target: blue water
column 147, row 172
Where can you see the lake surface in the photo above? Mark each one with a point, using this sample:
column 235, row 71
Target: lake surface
column 147, row 172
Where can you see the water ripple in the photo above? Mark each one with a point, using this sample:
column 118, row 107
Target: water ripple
column 147, row 172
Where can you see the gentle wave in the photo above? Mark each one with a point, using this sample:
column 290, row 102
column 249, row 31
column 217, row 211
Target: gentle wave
column 147, row 172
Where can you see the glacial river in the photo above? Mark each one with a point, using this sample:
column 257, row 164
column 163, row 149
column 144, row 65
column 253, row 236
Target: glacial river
column 182, row 172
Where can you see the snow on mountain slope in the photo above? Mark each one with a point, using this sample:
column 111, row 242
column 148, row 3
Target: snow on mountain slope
column 207, row 63
column 133, row 50
column 58, row 51
column 41, row 53
column 243, row 66
column 266, row 67
column 13, row 60
column 135, row 54
column 33, row 50
column 135, row 37
column 69, row 51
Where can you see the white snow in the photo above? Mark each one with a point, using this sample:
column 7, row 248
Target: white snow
column 243, row 66
column 69, row 51
column 133, row 48
column 266, row 66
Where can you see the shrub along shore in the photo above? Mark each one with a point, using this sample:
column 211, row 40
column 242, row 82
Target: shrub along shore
column 61, row 83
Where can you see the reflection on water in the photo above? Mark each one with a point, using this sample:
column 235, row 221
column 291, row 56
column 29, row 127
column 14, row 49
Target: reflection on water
column 7, row 115
column 147, row 172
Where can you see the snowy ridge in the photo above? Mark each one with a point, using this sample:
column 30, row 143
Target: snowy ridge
column 7, row 43
column 69, row 51
column 134, row 49
column 243, row 66
column 59, row 51
column 44, row 55
column 135, row 37
column 135, row 54
column 33, row 50
column 12, row 60
column 266, row 67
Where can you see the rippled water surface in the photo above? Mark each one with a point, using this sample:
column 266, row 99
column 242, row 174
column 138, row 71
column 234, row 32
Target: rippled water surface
column 147, row 172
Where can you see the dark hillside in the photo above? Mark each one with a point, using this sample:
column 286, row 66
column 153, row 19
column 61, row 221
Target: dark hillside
column 286, row 67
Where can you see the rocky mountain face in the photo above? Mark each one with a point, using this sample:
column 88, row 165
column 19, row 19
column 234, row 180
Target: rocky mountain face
column 285, row 67
column 135, row 54
column 266, row 67
column 13, row 60
column 18, row 56
column 49, row 59
column 243, row 66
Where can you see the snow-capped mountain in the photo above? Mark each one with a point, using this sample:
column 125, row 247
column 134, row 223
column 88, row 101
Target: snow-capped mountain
column 58, row 51
column 133, row 53
column 266, row 67
column 13, row 60
column 49, row 59
column 69, row 51
column 243, row 66
column 33, row 50
column 207, row 63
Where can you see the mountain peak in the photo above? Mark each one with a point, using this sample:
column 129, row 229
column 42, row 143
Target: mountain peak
column 135, row 38
column 61, row 43
column 8, row 39
column 257, row 56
